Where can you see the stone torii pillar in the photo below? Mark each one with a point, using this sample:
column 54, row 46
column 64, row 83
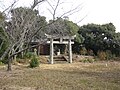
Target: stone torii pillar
column 70, row 51
column 51, row 51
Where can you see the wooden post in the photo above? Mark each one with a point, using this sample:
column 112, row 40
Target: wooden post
column 70, row 51
column 51, row 50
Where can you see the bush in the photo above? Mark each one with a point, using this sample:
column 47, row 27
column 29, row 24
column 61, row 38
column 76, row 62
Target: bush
column 34, row 62
column 90, row 52
column 28, row 55
column 102, row 55
column 109, row 55
column 105, row 55
column 88, row 60
column 83, row 51
column 1, row 63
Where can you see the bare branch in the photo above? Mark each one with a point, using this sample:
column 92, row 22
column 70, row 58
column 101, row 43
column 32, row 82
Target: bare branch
column 82, row 19
column 11, row 6
column 42, row 42
column 35, row 3
column 72, row 11
column 55, row 9
column 50, row 11
column 50, row 5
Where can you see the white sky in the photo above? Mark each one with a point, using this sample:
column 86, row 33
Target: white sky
column 97, row 11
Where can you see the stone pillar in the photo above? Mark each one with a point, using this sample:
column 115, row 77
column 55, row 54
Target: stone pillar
column 51, row 50
column 70, row 51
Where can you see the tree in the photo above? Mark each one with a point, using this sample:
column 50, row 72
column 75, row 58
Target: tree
column 100, row 37
column 20, row 29
column 73, row 30
column 62, row 27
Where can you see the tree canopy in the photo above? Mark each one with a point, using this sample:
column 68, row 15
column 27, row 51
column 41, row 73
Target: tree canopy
column 100, row 37
column 62, row 27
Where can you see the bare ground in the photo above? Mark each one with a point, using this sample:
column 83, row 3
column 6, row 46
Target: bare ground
column 76, row 76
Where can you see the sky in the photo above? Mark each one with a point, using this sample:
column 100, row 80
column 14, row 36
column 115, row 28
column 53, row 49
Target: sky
column 89, row 11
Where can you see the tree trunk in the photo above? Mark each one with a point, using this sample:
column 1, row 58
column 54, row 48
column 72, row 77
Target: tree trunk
column 9, row 68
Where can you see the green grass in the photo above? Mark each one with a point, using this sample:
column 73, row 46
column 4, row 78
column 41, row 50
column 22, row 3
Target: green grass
column 76, row 76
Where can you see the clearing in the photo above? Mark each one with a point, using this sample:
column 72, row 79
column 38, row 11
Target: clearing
column 102, row 75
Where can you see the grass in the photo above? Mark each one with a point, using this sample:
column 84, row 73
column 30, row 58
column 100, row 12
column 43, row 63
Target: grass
column 76, row 76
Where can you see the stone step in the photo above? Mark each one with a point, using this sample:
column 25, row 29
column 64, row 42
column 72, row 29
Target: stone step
column 59, row 58
column 60, row 62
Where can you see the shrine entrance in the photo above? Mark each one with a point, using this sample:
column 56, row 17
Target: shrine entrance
column 67, row 40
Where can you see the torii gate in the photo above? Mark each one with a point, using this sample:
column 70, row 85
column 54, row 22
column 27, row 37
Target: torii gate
column 62, row 40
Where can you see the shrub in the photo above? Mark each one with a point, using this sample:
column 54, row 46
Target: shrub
column 105, row 55
column 91, row 60
column 83, row 51
column 1, row 63
column 28, row 55
column 90, row 52
column 34, row 62
column 88, row 60
column 109, row 55
column 102, row 55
